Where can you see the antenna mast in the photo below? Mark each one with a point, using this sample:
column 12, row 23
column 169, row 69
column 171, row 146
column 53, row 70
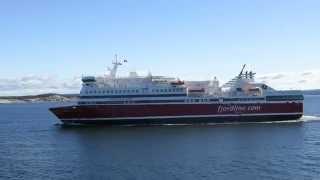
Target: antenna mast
column 116, row 63
column 241, row 72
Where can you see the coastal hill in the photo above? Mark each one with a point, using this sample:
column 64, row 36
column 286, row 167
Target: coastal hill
column 311, row 92
column 52, row 97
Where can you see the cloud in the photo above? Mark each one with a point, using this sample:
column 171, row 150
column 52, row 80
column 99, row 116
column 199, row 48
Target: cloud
column 292, row 80
column 37, row 84
column 264, row 77
column 306, row 73
column 278, row 76
column 302, row 81
column 33, row 84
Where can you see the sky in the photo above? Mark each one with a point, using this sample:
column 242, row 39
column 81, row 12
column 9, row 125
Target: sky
column 46, row 46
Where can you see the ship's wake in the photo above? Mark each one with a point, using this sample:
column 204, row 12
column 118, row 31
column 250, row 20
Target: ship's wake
column 307, row 118
column 304, row 118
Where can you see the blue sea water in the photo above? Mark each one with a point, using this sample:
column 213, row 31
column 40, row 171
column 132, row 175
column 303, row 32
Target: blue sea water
column 34, row 146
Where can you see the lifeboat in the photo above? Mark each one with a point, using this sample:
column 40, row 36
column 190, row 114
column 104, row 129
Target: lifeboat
column 177, row 83
column 196, row 91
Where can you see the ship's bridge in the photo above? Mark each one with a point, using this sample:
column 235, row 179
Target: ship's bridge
column 88, row 79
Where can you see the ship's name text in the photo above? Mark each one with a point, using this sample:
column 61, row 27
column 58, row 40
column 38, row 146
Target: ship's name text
column 238, row 108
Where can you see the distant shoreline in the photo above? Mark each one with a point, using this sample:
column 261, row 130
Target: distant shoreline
column 311, row 92
column 51, row 97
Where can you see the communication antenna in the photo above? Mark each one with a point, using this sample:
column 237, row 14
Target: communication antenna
column 116, row 63
column 241, row 72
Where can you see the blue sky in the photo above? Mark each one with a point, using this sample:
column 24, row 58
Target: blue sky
column 191, row 39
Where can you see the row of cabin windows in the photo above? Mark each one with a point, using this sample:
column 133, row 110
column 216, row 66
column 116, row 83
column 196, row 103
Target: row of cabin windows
column 131, row 91
column 152, row 101
column 112, row 91
column 147, row 101
column 243, row 99
column 198, row 100
column 168, row 90
column 234, row 99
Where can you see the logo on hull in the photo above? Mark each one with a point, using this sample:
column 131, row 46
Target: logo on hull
column 238, row 108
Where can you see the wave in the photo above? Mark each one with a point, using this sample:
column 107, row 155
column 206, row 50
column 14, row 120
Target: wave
column 307, row 118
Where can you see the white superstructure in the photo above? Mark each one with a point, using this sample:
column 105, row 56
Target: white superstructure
column 110, row 87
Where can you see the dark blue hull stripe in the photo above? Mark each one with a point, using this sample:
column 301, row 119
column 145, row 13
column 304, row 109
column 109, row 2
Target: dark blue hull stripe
column 285, row 98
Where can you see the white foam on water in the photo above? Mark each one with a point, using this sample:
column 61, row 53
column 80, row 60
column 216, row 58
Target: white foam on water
column 306, row 118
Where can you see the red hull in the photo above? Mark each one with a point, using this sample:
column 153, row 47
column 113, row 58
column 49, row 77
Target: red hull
column 186, row 113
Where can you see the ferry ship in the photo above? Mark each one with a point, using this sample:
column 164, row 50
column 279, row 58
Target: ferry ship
column 163, row 100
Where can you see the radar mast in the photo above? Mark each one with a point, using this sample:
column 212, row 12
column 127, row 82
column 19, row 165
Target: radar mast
column 116, row 63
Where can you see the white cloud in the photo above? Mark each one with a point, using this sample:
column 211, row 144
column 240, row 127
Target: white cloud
column 293, row 80
column 34, row 84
